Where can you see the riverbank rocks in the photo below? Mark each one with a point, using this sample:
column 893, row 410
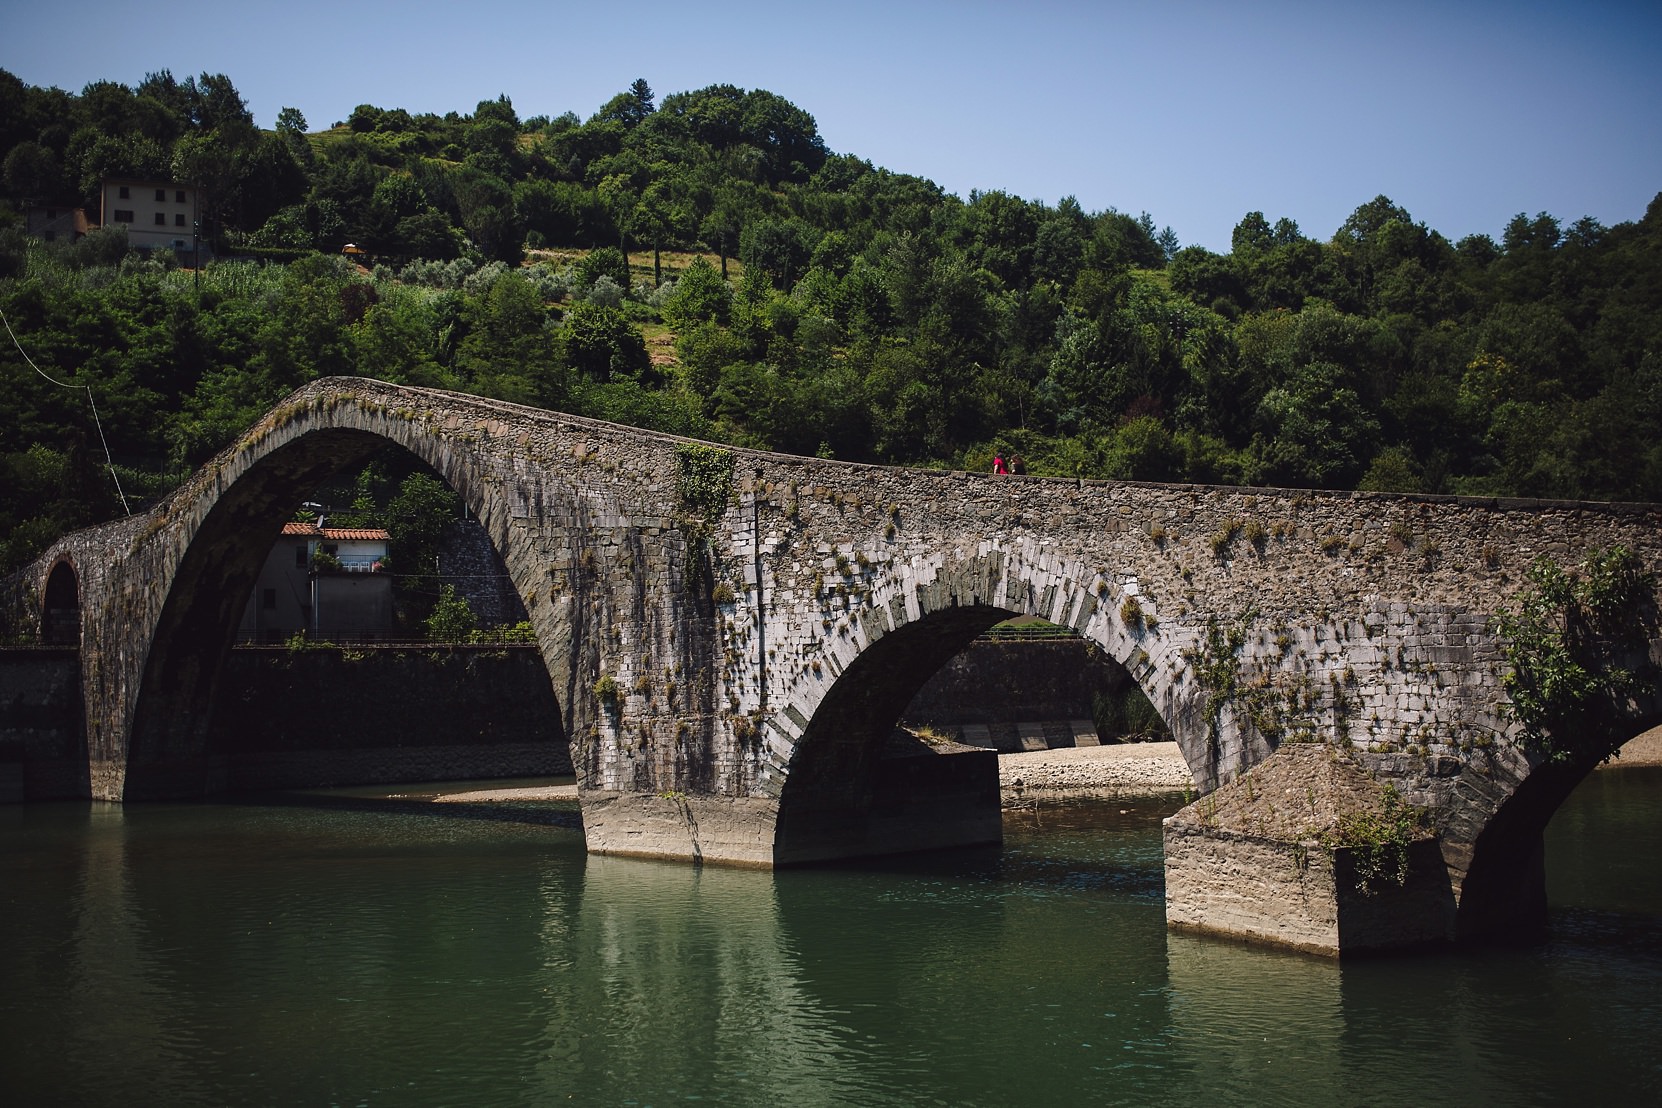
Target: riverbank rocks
column 1310, row 852
column 1121, row 769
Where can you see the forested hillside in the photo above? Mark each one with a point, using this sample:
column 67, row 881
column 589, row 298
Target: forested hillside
column 702, row 264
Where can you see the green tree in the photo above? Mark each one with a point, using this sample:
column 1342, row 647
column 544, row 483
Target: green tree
column 509, row 349
column 417, row 518
column 700, row 296
column 601, row 344
column 1314, row 431
column 608, row 261
column 452, row 618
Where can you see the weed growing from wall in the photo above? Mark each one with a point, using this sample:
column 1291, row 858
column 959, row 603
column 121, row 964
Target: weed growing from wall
column 1217, row 667
column 1378, row 842
column 1570, row 643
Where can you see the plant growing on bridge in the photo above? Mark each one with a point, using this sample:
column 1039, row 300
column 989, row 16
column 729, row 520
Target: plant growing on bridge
column 1378, row 841
column 1224, row 535
column 607, row 692
column 1570, row 643
column 703, row 484
column 703, row 480
column 1216, row 664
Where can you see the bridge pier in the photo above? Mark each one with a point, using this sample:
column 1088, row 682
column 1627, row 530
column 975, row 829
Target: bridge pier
column 1309, row 851
column 918, row 799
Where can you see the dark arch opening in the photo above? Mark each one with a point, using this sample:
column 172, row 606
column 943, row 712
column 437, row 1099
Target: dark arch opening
column 60, row 623
column 1504, row 893
column 198, row 725
column 859, row 787
column 1027, row 684
column 1601, row 845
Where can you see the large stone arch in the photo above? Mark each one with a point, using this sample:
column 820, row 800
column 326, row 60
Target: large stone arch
column 205, row 569
column 845, row 696
column 1492, row 817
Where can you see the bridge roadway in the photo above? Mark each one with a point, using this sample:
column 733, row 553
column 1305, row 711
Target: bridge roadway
column 731, row 634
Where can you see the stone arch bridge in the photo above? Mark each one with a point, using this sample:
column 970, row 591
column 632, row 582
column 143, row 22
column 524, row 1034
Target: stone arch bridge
column 731, row 635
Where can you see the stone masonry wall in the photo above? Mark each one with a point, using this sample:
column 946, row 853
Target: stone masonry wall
column 42, row 734
column 285, row 718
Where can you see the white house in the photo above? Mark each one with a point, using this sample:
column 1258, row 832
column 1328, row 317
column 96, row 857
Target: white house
column 158, row 215
column 326, row 581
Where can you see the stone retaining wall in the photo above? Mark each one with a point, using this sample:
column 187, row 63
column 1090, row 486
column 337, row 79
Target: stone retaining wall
column 336, row 717
column 286, row 719
column 42, row 726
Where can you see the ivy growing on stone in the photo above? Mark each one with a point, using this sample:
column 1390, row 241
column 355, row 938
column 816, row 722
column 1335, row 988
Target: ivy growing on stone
column 703, row 484
column 1216, row 663
column 1577, row 645
column 704, row 480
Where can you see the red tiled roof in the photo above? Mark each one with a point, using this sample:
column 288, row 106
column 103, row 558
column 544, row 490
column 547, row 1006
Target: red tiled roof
column 340, row 534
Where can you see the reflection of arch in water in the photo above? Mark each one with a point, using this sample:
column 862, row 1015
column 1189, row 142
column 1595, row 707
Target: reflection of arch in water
column 60, row 621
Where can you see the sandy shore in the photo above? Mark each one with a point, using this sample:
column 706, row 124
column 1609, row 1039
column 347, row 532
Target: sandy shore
column 1646, row 750
column 497, row 796
column 1131, row 769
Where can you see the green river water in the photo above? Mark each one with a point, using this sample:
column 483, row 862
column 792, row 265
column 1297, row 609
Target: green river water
column 329, row 950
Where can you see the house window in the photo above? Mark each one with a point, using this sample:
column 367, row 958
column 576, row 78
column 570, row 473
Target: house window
column 161, row 194
column 300, row 556
column 268, row 599
column 124, row 195
column 123, row 216
column 179, row 219
column 161, row 219
column 179, row 196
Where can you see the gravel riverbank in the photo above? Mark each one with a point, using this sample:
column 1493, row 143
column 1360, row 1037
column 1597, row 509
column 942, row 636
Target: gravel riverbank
column 1128, row 769
column 1131, row 769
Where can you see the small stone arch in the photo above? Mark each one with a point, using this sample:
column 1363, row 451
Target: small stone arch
column 1499, row 854
column 60, row 614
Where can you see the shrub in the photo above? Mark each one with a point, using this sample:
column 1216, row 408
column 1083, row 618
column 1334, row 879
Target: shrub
column 452, row 618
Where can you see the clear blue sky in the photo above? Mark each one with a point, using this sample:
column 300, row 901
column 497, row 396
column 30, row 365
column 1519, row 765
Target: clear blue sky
column 1196, row 111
